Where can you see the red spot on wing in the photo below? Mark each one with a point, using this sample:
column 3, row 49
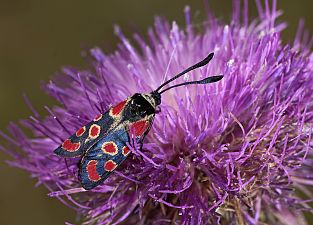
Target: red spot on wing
column 110, row 165
column 116, row 110
column 139, row 127
column 69, row 146
column 92, row 172
column 109, row 148
column 81, row 131
column 94, row 131
column 98, row 117
column 125, row 150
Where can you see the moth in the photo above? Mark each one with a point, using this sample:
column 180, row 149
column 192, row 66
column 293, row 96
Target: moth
column 102, row 143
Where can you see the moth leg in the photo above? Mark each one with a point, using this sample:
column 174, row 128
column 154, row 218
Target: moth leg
column 142, row 140
column 130, row 139
column 158, row 110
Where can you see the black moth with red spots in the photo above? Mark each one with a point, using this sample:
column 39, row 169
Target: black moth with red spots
column 102, row 143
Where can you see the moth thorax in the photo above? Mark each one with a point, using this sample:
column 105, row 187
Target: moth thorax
column 150, row 99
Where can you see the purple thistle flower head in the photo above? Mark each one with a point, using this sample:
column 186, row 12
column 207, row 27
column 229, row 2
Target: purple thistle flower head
column 233, row 152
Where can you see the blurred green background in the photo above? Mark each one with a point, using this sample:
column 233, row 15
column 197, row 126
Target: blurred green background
column 38, row 37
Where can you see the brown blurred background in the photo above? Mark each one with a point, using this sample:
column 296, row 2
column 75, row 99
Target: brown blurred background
column 38, row 37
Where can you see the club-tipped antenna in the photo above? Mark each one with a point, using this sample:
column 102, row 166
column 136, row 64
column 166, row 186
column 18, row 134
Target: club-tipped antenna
column 204, row 81
column 197, row 65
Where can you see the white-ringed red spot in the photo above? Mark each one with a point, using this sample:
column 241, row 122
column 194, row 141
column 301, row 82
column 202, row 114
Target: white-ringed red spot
column 109, row 148
column 110, row 165
column 98, row 117
column 81, row 131
column 125, row 150
column 116, row 110
column 94, row 131
column 139, row 127
column 69, row 146
column 92, row 172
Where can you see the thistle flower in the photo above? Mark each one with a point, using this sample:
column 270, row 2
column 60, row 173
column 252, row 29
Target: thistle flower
column 234, row 152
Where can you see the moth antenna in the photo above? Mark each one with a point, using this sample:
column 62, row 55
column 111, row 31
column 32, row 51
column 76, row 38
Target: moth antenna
column 204, row 81
column 197, row 65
